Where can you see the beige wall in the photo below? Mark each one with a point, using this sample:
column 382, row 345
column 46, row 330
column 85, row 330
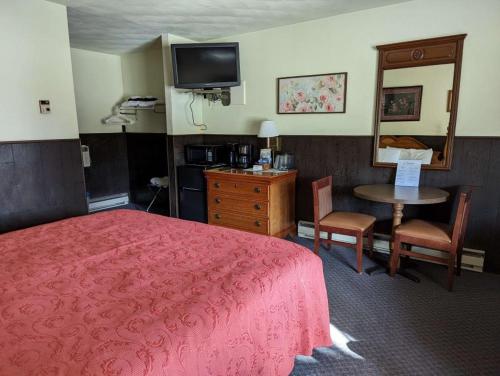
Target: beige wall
column 142, row 73
column 98, row 88
column 103, row 81
column 346, row 43
column 35, row 63
column 434, row 118
column 179, row 119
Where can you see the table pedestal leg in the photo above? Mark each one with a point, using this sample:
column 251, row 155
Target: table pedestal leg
column 397, row 214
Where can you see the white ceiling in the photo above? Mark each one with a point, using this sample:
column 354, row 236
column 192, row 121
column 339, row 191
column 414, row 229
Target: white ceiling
column 118, row 26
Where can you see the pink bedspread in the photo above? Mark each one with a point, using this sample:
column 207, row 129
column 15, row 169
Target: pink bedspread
column 130, row 293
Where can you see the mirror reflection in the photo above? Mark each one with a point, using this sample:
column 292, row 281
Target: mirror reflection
column 415, row 114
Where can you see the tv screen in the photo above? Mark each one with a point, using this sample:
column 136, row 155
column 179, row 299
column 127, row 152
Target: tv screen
column 206, row 65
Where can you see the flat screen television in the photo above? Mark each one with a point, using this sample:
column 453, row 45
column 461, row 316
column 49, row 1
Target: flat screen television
column 206, row 65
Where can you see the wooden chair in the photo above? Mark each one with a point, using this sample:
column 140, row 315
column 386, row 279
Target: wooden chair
column 345, row 223
column 437, row 236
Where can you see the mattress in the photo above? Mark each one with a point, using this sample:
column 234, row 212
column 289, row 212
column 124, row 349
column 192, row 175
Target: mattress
column 130, row 293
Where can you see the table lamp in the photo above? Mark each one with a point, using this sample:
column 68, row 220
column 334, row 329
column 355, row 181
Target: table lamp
column 269, row 131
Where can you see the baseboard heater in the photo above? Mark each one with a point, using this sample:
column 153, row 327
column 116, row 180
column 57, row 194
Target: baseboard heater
column 472, row 259
column 108, row 202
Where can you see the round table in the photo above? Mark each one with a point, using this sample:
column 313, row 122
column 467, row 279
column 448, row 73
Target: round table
column 400, row 196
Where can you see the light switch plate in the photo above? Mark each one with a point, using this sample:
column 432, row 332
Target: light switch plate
column 44, row 106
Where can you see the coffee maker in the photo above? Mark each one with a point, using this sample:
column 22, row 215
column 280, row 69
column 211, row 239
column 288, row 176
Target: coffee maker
column 232, row 154
column 245, row 155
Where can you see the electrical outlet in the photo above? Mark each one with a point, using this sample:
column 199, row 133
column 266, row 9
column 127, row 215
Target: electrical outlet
column 44, row 106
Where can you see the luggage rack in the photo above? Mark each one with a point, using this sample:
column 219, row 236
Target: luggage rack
column 158, row 108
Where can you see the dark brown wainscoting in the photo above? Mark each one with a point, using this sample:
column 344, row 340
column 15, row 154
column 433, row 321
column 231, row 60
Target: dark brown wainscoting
column 125, row 163
column 108, row 173
column 147, row 158
column 348, row 160
column 41, row 181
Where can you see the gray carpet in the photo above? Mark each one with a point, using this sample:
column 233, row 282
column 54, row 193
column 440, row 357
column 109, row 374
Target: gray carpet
column 398, row 327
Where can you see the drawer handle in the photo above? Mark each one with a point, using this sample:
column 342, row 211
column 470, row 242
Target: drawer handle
column 257, row 223
column 257, row 189
column 217, row 216
column 217, row 200
column 217, row 185
column 257, row 207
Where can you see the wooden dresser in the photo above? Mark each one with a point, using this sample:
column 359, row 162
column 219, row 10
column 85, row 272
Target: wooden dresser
column 260, row 202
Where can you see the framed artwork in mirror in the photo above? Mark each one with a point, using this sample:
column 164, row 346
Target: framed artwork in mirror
column 401, row 103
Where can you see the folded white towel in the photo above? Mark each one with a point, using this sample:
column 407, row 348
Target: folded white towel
column 141, row 102
column 160, row 182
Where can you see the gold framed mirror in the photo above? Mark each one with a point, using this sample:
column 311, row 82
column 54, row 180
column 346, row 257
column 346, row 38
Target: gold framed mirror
column 418, row 85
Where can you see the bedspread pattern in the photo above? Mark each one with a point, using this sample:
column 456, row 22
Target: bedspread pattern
column 130, row 293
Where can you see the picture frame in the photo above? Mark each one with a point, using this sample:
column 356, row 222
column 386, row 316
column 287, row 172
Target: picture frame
column 266, row 154
column 401, row 103
column 312, row 94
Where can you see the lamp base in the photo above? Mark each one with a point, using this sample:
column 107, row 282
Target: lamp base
column 274, row 143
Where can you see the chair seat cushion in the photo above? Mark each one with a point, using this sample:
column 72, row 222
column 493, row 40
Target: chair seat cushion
column 417, row 228
column 348, row 220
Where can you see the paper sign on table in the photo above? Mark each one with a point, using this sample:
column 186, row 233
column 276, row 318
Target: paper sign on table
column 408, row 173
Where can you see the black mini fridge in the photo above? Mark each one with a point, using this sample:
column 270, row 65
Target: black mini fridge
column 192, row 192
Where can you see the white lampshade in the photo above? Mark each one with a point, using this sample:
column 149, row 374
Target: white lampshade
column 268, row 129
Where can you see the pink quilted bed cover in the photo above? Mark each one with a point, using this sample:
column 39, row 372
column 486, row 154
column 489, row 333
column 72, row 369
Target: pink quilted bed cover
column 130, row 293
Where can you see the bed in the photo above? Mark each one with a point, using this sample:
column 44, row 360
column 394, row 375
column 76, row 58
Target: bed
column 130, row 293
column 408, row 142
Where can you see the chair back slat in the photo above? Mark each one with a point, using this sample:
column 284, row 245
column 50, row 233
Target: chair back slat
column 322, row 195
column 325, row 201
column 461, row 219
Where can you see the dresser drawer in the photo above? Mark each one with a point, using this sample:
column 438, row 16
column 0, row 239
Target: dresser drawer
column 261, row 202
column 252, row 208
column 247, row 189
column 257, row 225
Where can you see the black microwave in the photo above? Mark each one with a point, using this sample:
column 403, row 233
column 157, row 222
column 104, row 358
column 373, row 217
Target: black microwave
column 204, row 154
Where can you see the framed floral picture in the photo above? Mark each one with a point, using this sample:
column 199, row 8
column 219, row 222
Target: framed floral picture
column 314, row 94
